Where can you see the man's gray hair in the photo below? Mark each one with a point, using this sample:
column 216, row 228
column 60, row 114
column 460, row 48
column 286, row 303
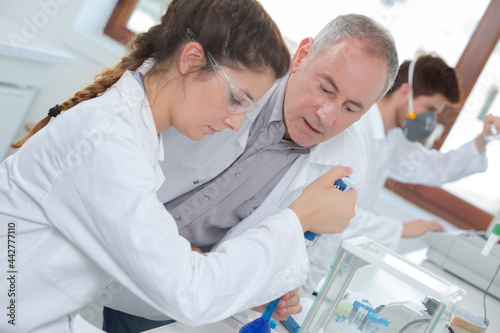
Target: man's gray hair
column 378, row 41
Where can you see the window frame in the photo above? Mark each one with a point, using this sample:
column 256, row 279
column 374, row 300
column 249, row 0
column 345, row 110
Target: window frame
column 472, row 61
column 116, row 27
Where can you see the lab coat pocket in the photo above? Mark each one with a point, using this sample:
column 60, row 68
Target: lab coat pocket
column 72, row 272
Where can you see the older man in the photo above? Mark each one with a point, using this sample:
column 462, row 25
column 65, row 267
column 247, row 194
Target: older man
column 301, row 132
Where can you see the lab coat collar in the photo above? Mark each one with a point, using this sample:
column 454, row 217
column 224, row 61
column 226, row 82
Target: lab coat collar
column 161, row 149
column 146, row 66
column 327, row 152
column 135, row 97
column 278, row 97
column 376, row 121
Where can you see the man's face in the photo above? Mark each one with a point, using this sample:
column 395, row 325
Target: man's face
column 328, row 93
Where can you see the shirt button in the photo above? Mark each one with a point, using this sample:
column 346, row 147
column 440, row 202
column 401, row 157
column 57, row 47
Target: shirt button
column 177, row 217
column 278, row 125
column 237, row 174
column 206, row 197
column 196, row 182
column 265, row 126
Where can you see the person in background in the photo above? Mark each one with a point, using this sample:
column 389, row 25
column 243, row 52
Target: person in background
column 224, row 184
column 392, row 130
column 78, row 200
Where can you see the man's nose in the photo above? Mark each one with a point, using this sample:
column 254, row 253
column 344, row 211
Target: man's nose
column 328, row 113
column 234, row 121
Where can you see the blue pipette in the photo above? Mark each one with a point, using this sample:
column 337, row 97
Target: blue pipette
column 264, row 323
column 341, row 185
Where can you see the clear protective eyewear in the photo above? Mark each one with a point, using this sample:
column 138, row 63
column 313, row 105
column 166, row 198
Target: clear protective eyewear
column 235, row 99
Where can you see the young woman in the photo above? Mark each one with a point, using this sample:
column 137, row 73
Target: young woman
column 78, row 204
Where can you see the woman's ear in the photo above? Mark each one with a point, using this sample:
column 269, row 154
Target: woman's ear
column 192, row 57
column 301, row 54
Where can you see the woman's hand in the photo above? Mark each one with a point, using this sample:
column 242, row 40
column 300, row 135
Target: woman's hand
column 324, row 209
column 289, row 304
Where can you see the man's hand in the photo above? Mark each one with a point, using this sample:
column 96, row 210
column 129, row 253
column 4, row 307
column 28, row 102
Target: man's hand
column 289, row 304
column 324, row 209
column 487, row 121
column 419, row 227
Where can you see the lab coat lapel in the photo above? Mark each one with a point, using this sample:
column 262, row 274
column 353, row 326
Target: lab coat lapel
column 134, row 96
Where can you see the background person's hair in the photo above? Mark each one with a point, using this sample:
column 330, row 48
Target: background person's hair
column 378, row 42
column 431, row 76
column 238, row 34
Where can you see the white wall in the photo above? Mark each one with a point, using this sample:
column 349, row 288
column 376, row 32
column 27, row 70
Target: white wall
column 73, row 26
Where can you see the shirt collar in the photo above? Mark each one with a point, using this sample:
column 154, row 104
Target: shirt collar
column 278, row 96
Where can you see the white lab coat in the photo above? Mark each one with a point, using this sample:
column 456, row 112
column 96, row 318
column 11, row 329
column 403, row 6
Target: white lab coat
column 215, row 153
column 82, row 194
column 393, row 156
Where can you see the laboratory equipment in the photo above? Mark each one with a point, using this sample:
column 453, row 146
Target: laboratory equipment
column 291, row 325
column 463, row 321
column 492, row 240
column 383, row 323
column 409, row 316
column 494, row 133
column 342, row 185
column 389, row 265
column 371, row 323
column 264, row 323
column 460, row 254
column 365, row 319
column 359, row 317
column 355, row 306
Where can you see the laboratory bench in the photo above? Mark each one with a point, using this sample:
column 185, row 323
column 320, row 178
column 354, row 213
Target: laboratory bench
column 364, row 284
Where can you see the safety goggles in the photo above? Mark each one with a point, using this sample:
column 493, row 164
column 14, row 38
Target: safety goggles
column 235, row 99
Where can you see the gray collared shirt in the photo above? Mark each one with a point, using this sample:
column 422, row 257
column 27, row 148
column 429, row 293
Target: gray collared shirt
column 204, row 214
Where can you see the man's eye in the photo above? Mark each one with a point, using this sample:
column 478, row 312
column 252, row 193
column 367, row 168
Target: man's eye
column 349, row 109
column 324, row 89
column 234, row 101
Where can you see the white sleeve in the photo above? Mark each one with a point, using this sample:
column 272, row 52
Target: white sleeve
column 321, row 257
column 322, row 252
column 412, row 163
column 106, row 205
column 382, row 229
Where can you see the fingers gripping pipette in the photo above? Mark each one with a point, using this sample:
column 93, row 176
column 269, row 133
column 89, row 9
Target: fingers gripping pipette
column 494, row 133
column 264, row 323
column 342, row 185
